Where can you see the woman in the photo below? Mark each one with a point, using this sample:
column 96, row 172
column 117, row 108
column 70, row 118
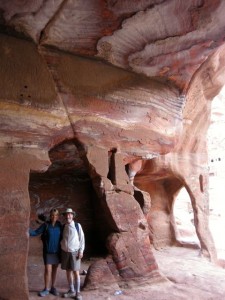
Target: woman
column 51, row 232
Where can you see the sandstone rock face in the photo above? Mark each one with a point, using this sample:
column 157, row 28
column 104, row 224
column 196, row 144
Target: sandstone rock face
column 105, row 107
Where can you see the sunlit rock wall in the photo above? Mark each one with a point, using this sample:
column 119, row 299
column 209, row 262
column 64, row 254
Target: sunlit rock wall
column 187, row 165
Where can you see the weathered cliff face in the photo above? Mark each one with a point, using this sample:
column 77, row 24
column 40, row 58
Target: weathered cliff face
column 112, row 99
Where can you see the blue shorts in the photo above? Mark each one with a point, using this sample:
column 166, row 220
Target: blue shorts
column 51, row 258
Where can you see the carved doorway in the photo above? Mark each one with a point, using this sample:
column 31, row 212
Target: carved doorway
column 66, row 183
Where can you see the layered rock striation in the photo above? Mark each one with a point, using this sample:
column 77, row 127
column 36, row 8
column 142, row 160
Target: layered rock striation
column 112, row 99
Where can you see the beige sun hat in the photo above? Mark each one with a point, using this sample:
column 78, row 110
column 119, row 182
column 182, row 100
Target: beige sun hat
column 69, row 211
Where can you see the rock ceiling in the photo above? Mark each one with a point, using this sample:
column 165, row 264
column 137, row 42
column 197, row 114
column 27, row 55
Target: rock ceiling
column 158, row 38
column 115, row 72
column 120, row 69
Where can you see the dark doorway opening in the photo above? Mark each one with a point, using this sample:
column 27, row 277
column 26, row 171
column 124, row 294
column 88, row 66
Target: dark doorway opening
column 66, row 184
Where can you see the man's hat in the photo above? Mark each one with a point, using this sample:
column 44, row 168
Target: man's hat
column 69, row 211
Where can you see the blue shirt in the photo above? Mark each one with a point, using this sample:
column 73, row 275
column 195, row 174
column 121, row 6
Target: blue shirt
column 52, row 236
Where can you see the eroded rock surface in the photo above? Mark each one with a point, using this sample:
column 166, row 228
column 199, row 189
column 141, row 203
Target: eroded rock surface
column 112, row 99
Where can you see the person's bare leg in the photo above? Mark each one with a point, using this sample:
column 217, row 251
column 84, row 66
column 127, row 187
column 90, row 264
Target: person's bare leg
column 47, row 276
column 54, row 273
column 77, row 281
column 69, row 275
column 71, row 292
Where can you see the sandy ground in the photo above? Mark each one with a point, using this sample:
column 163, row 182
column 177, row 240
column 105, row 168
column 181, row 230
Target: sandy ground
column 188, row 276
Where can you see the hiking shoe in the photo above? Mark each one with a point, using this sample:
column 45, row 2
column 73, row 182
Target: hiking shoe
column 78, row 296
column 69, row 294
column 54, row 291
column 43, row 293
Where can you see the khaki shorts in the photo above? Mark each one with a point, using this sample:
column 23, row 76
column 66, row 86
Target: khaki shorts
column 70, row 261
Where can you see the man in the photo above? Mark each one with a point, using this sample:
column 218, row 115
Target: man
column 72, row 245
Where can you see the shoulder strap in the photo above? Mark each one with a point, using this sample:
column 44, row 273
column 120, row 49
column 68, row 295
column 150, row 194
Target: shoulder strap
column 77, row 228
